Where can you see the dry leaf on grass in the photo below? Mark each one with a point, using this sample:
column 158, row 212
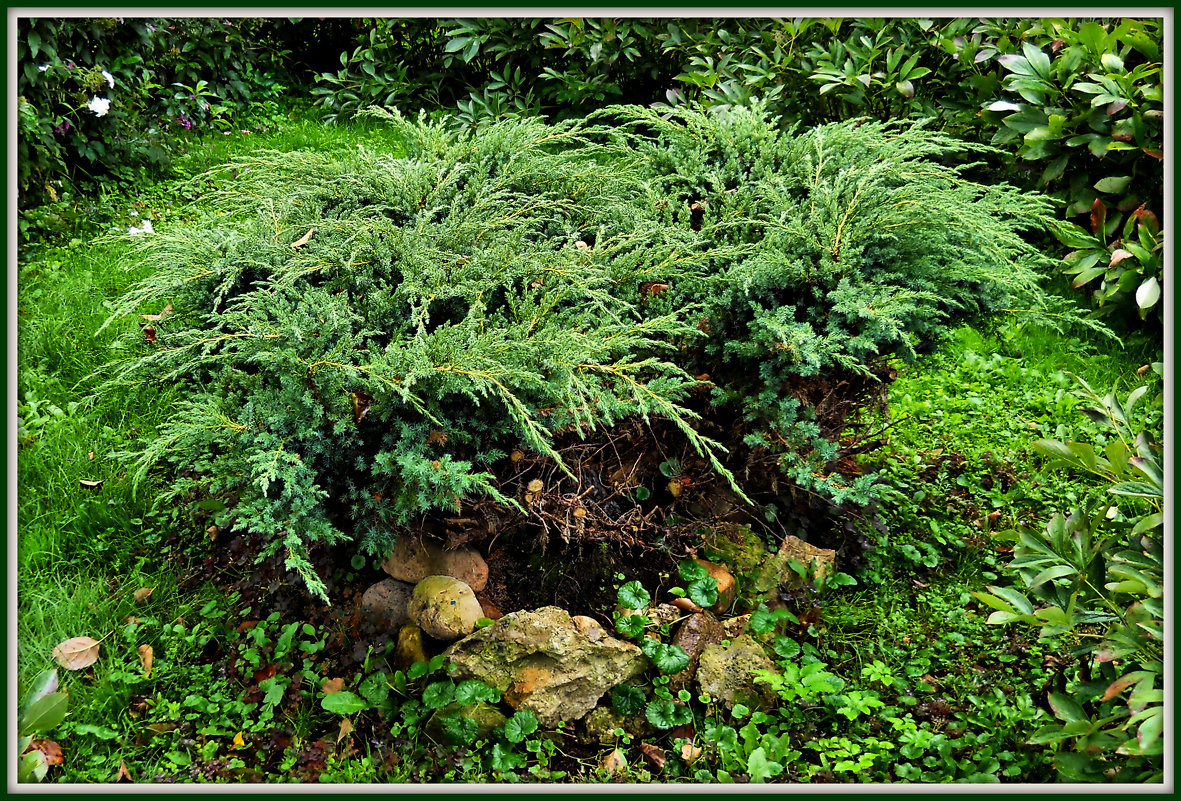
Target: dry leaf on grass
column 124, row 775
column 143, row 593
column 346, row 727
column 331, row 686
column 49, row 749
column 145, row 659
column 614, row 762
column 76, row 653
column 303, row 240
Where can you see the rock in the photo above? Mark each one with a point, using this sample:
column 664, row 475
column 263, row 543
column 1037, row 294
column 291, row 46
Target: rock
column 543, row 661
column 444, row 607
column 736, row 626
column 589, row 627
column 725, row 580
column 664, row 614
column 487, row 719
column 384, row 604
column 776, row 572
column 736, row 546
column 413, row 560
column 694, row 635
column 726, row 672
column 410, row 647
column 600, row 724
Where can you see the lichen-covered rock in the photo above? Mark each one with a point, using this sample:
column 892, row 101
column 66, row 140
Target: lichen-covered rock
column 727, row 673
column 775, row 571
column 737, row 546
column 413, row 560
column 546, row 662
column 599, row 725
column 384, row 604
column 694, row 634
column 444, row 607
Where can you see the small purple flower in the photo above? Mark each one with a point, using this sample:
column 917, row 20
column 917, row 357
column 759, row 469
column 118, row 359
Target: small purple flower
column 61, row 129
column 69, row 65
column 184, row 122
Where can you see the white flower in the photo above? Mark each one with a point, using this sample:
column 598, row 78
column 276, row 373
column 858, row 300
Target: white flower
column 146, row 229
column 99, row 105
column 42, row 67
column 110, row 78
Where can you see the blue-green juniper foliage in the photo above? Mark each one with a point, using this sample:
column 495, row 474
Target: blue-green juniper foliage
column 499, row 285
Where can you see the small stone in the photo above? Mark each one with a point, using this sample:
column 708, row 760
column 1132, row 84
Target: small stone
column 693, row 635
column 410, row 647
column 736, row 626
column 413, row 560
column 444, row 608
column 384, row 604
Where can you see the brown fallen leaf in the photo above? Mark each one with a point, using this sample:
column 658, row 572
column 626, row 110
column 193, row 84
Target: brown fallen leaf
column 90, row 456
column 212, row 532
column 143, row 594
column 346, row 727
column 152, row 318
column 124, row 775
column 262, row 674
column 49, row 749
column 91, row 485
column 303, row 240
column 654, row 756
column 614, row 762
column 690, row 753
column 76, row 653
column 145, row 659
column 331, row 686
column 149, row 333
column 1143, row 369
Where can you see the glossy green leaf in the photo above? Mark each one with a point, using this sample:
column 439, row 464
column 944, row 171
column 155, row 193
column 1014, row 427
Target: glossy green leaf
column 344, row 703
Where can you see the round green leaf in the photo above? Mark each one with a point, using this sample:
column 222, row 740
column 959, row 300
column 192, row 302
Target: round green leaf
column 375, row 688
column 520, row 725
column 438, row 694
column 631, row 625
column 632, row 595
column 627, row 699
column 692, row 570
column 665, row 714
column 704, row 591
column 473, row 691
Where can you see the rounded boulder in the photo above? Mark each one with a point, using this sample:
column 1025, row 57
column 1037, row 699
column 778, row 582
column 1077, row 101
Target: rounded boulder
column 444, row 608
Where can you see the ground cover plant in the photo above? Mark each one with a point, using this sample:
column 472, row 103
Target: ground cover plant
column 595, row 350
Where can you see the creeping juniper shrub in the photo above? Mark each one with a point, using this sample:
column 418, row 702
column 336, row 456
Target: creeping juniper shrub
column 364, row 337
